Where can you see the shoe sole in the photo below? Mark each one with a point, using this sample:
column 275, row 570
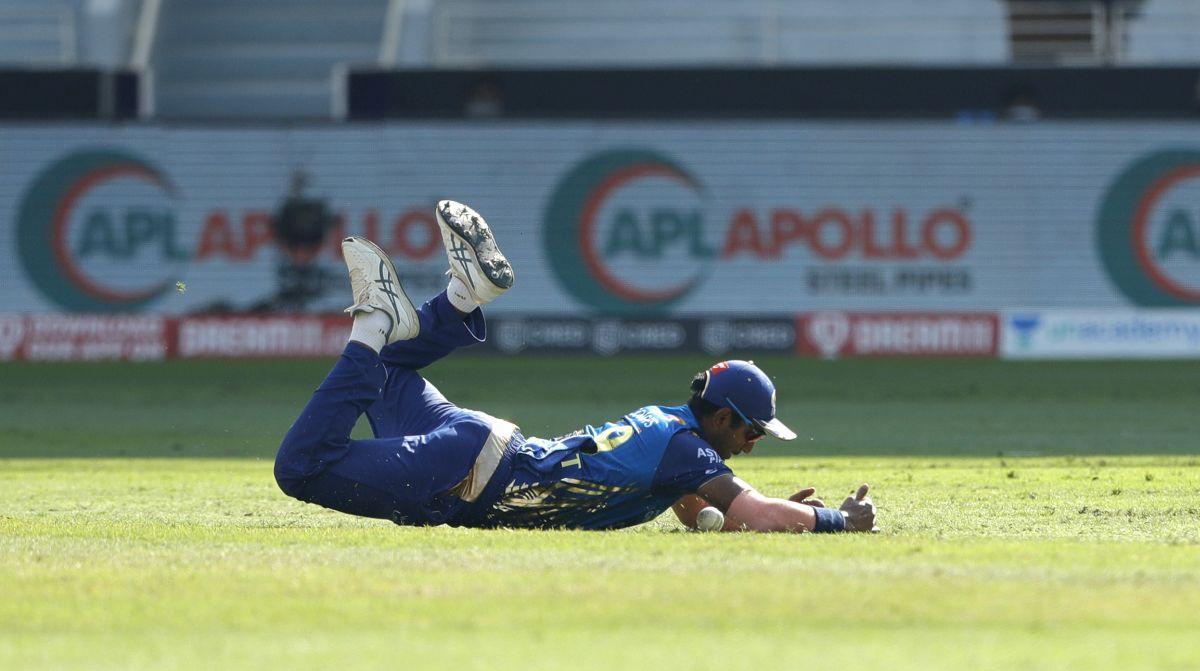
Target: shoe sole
column 491, row 260
column 406, row 304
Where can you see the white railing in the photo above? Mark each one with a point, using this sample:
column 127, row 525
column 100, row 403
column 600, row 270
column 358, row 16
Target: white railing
column 147, row 30
column 339, row 88
column 143, row 50
column 389, row 42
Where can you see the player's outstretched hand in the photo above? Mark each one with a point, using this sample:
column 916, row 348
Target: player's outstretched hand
column 860, row 511
column 806, row 497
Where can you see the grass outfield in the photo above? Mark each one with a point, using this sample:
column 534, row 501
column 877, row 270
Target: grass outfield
column 1035, row 516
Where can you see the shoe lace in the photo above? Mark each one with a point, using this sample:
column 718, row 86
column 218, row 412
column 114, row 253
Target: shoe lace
column 361, row 286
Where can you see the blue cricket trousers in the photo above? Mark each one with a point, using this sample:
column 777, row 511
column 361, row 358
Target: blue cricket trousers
column 424, row 445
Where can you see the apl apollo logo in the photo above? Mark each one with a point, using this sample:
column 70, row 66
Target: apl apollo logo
column 96, row 232
column 624, row 232
column 1148, row 229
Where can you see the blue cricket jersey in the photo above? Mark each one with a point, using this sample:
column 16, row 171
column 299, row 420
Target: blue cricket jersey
column 622, row 473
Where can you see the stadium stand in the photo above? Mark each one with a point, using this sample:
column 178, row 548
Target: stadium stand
column 68, row 33
column 258, row 59
column 287, row 59
column 68, row 59
column 36, row 33
column 1124, row 32
column 1165, row 32
column 608, row 33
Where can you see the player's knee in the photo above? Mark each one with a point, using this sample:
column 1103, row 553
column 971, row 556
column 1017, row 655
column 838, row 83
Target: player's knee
column 289, row 484
column 286, row 475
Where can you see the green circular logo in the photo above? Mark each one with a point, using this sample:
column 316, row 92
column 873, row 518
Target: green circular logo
column 96, row 232
column 1148, row 229
column 623, row 232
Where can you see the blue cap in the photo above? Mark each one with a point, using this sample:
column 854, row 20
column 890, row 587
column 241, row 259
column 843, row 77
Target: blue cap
column 745, row 389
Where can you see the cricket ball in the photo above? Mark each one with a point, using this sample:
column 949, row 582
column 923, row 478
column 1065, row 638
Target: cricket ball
column 710, row 519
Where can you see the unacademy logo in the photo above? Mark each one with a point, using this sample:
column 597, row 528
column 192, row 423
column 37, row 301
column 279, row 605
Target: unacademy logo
column 624, row 232
column 96, row 232
column 1148, row 229
column 1025, row 325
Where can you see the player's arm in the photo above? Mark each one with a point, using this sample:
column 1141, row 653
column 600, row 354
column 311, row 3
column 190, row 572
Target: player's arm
column 746, row 508
column 689, row 506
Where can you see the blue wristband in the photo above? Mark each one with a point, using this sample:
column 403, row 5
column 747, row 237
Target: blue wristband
column 829, row 521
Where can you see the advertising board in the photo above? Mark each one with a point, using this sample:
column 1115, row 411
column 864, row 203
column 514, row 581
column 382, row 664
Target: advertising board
column 1101, row 334
column 833, row 334
column 65, row 337
column 615, row 219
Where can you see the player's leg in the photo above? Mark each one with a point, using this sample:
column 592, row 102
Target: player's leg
column 320, row 436
column 409, row 404
column 407, row 479
column 382, row 315
column 479, row 274
column 443, row 330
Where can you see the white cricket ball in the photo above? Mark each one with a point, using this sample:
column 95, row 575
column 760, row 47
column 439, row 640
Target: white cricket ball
column 710, row 519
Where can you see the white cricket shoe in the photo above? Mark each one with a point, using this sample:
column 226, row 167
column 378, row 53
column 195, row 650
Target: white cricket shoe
column 376, row 286
column 474, row 257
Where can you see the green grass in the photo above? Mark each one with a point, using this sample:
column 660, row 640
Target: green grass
column 1035, row 516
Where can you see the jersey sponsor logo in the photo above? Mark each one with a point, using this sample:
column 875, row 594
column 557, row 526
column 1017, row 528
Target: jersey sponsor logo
column 1148, row 229
column 96, row 232
column 645, row 417
column 708, row 453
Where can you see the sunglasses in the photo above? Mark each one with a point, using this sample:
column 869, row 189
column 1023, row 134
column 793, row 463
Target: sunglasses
column 753, row 431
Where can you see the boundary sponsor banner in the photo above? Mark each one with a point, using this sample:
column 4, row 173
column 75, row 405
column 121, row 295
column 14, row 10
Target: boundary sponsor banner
column 64, row 337
column 833, row 334
column 1030, row 334
column 607, row 337
column 1024, row 334
column 59, row 337
column 1101, row 334
column 718, row 336
column 276, row 336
